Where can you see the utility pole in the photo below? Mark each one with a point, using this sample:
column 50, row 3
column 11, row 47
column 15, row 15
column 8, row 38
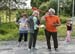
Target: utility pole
column 73, row 8
column 58, row 8
column 9, row 1
column 73, row 18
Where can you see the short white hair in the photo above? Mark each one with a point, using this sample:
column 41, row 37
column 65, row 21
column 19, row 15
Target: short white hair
column 51, row 10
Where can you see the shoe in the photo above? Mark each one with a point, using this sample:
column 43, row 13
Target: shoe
column 29, row 50
column 35, row 48
column 49, row 49
column 56, row 49
column 25, row 43
column 19, row 44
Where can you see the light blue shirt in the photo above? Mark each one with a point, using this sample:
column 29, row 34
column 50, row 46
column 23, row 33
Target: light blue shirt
column 35, row 22
column 22, row 23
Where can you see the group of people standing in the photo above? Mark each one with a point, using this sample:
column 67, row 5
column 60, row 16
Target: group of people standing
column 29, row 25
column 32, row 24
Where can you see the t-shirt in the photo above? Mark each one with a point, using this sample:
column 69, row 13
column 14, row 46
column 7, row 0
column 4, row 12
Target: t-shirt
column 69, row 26
column 23, row 27
column 50, row 20
column 35, row 22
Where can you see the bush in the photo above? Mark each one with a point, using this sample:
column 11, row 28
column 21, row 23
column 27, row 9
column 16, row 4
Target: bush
column 41, row 32
column 3, row 31
column 8, row 31
column 63, row 19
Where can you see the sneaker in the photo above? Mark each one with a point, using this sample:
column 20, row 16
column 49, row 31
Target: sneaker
column 65, row 42
column 56, row 49
column 25, row 43
column 49, row 49
column 35, row 48
column 29, row 50
column 19, row 44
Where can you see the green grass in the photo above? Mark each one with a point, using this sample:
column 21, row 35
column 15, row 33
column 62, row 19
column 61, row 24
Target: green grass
column 62, row 30
column 9, row 31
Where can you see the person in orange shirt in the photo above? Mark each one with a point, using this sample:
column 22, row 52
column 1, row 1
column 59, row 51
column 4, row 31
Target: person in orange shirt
column 51, row 21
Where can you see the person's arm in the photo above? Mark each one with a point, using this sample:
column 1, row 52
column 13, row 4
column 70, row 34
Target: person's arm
column 28, row 21
column 58, row 23
column 42, row 20
column 44, row 17
column 18, row 22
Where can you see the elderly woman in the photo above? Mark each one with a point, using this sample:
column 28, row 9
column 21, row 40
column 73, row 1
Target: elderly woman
column 33, row 25
column 51, row 21
column 23, row 29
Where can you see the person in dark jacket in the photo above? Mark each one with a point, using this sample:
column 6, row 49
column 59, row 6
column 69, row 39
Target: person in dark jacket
column 33, row 25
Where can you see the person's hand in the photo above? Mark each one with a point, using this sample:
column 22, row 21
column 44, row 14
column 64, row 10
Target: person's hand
column 55, row 24
column 25, row 25
column 38, row 26
column 42, row 26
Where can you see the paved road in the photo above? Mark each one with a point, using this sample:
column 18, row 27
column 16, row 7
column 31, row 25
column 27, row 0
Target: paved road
column 10, row 47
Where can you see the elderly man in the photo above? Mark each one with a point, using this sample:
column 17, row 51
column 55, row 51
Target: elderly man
column 51, row 21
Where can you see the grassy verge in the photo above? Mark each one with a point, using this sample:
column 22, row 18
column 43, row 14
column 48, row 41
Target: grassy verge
column 9, row 31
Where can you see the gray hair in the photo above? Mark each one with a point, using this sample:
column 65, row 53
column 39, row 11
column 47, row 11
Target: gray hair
column 51, row 10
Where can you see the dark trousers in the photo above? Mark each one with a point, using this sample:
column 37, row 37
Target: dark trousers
column 33, row 38
column 54, row 37
column 21, row 36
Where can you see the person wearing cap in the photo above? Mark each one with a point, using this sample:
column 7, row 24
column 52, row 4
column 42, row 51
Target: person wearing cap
column 33, row 25
column 51, row 23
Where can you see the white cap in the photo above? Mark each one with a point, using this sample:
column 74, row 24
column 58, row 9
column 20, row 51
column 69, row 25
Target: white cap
column 51, row 9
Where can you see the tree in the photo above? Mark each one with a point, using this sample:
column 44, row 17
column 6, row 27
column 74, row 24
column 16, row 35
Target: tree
column 68, row 7
column 49, row 4
column 37, row 3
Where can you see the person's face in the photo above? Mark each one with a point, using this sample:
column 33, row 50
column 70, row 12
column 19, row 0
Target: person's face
column 51, row 13
column 36, row 14
column 47, row 14
column 24, row 16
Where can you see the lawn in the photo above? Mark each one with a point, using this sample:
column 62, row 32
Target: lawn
column 9, row 31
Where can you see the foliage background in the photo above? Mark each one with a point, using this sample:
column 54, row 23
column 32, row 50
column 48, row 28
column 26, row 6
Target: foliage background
column 9, row 30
